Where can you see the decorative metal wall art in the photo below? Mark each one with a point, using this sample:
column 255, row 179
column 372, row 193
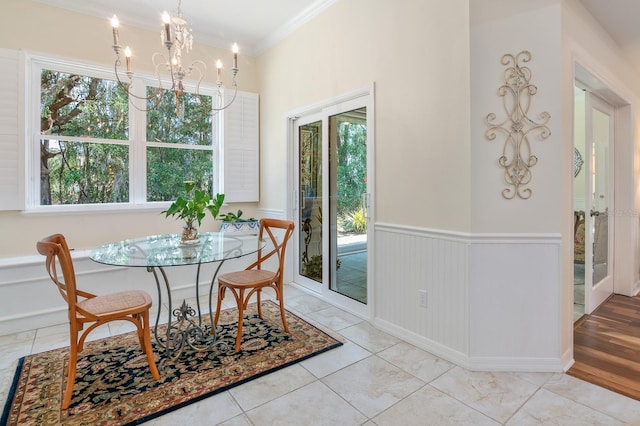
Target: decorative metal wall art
column 577, row 162
column 517, row 95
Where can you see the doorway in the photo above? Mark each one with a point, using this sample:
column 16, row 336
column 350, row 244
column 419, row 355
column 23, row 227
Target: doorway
column 332, row 181
column 593, row 201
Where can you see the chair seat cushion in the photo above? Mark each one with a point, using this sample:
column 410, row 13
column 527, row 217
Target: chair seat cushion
column 251, row 277
column 116, row 302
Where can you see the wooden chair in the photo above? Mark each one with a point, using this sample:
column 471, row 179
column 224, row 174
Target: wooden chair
column 131, row 306
column 254, row 278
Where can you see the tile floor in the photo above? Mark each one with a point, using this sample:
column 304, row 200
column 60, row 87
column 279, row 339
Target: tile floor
column 351, row 277
column 374, row 379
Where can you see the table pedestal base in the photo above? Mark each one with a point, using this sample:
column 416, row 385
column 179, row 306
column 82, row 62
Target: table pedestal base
column 185, row 327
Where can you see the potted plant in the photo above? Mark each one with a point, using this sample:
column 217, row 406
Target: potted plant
column 193, row 209
column 234, row 222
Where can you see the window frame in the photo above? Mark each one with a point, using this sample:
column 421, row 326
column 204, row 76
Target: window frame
column 137, row 140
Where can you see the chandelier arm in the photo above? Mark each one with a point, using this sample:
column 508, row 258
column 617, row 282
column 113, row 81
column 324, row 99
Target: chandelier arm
column 156, row 96
column 194, row 67
column 235, row 93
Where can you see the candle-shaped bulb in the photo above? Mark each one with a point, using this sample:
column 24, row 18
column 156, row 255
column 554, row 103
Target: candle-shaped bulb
column 219, row 67
column 235, row 49
column 166, row 19
column 127, row 56
column 115, row 23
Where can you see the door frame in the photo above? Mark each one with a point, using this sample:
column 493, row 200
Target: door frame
column 626, row 230
column 366, row 95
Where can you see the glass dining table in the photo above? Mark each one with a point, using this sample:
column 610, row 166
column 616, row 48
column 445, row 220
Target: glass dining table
column 185, row 325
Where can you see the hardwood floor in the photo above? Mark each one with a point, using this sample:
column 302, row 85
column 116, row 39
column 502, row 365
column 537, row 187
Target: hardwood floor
column 607, row 346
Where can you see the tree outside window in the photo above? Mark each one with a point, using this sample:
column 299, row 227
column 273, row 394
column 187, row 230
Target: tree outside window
column 179, row 145
column 86, row 149
column 81, row 120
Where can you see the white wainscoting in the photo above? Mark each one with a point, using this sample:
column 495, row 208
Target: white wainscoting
column 515, row 295
column 408, row 260
column 493, row 301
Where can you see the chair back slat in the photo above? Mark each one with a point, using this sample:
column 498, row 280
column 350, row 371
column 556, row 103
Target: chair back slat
column 57, row 253
column 279, row 247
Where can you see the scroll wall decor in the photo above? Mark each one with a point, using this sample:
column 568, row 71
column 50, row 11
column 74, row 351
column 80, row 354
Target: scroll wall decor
column 517, row 95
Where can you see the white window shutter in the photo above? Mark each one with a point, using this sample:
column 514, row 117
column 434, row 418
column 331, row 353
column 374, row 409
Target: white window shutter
column 241, row 156
column 11, row 123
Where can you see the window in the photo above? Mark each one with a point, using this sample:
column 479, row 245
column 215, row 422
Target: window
column 179, row 145
column 87, row 144
column 93, row 147
column 83, row 141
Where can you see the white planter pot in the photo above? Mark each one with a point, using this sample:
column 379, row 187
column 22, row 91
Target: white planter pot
column 244, row 227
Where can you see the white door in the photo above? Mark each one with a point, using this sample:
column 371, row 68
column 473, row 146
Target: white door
column 332, row 186
column 599, row 202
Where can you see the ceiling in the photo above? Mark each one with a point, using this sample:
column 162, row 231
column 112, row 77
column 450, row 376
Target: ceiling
column 620, row 19
column 258, row 24
column 254, row 24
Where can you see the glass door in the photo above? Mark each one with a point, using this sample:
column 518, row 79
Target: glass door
column 592, row 199
column 598, row 222
column 310, row 190
column 333, row 204
column 349, row 203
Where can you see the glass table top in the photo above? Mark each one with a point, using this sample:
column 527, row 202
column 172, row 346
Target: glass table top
column 168, row 250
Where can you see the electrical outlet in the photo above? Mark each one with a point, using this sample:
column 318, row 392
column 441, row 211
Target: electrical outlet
column 422, row 298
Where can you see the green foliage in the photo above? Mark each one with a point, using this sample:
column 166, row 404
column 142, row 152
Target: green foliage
column 235, row 217
column 81, row 172
column 166, row 168
column 176, row 129
column 193, row 209
column 190, row 124
column 313, row 266
column 351, row 168
column 355, row 222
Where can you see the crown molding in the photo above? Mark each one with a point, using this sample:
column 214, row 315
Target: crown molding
column 292, row 25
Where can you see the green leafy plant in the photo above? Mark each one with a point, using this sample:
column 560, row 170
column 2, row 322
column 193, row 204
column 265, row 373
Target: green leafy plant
column 355, row 222
column 235, row 217
column 313, row 266
column 192, row 209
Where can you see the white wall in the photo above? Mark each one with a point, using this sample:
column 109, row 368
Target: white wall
column 536, row 31
column 515, row 294
column 416, row 52
column 533, row 282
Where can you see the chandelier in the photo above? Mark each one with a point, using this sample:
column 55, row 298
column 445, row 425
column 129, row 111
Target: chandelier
column 177, row 37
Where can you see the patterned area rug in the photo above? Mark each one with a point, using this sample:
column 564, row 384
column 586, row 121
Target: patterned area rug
column 114, row 386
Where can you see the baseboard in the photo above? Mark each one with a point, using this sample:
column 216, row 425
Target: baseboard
column 567, row 359
column 422, row 342
column 32, row 320
column 529, row 365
